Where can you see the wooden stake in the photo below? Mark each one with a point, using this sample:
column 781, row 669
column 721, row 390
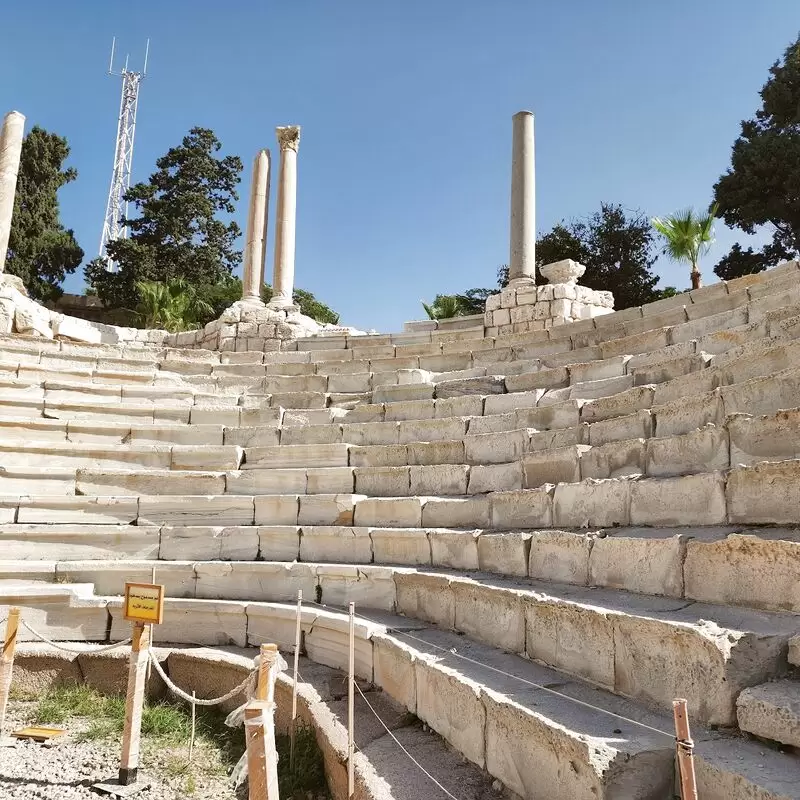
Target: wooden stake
column 297, row 631
column 265, row 689
column 351, row 704
column 134, row 703
column 7, row 661
column 194, row 724
column 256, row 752
column 685, row 746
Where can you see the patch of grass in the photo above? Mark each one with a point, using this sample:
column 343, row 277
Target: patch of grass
column 309, row 768
column 60, row 703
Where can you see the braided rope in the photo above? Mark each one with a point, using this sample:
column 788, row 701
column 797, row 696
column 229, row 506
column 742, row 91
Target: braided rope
column 176, row 690
column 78, row 650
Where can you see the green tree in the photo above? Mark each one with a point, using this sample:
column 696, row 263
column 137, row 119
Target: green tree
column 308, row 303
column 41, row 251
column 172, row 305
column 687, row 236
column 447, row 306
column 760, row 186
column 177, row 233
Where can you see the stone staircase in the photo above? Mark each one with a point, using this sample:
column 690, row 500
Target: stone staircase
column 549, row 534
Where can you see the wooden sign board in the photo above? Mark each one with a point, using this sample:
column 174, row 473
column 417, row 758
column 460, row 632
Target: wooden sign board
column 144, row 602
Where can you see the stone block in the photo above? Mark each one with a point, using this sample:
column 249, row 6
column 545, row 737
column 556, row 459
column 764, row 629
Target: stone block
column 571, row 637
column 383, row 481
column 266, row 481
column 548, row 440
column 771, row 711
column 614, row 459
column 425, row 596
column 276, row 509
column 400, row 546
column 592, row 503
column 313, row 434
column 79, row 510
column 409, row 410
column 389, row 512
column 495, row 448
column 463, row 406
column 626, row 402
column 442, row 452
column 638, row 425
column 490, row 384
column 688, row 414
column 528, row 508
column 763, row 395
column 505, row 553
column 452, row 707
column 456, row 512
column 764, row 494
column 699, row 451
column 431, row 430
column 301, row 456
column 554, row 466
column 278, row 542
column 370, row 433
column 556, row 378
column 687, row 500
column 327, row 509
column 440, row 479
column 330, row 480
column 493, row 615
column 394, row 455
column 639, row 560
column 495, row 477
column 771, row 437
column 454, row 549
column 560, row 556
column 755, row 569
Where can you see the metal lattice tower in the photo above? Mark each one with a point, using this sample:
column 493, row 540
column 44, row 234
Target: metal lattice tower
column 116, row 207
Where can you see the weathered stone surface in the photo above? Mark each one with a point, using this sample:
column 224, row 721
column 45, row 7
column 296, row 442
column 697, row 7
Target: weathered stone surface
column 456, row 512
column 400, row 546
column 553, row 466
column 389, row 512
column 455, row 549
column 771, row 711
column 561, row 556
column 488, row 614
column 527, row 508
column 592, row 503
column 440, row 479
column 614, row 460
column 639, row 560
column 771, row 437
column 764, row 494
column 702, row 450
column 688, row 500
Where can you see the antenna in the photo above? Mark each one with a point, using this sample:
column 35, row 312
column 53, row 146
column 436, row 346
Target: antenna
column 116, row 206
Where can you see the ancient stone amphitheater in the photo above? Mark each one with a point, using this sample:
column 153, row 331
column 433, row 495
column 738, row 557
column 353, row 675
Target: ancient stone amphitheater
column 537, row 528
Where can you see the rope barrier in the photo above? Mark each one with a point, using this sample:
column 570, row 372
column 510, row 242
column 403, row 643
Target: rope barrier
column 178, row 692
column 77, row 650
column 400, row 745
column 525, row 681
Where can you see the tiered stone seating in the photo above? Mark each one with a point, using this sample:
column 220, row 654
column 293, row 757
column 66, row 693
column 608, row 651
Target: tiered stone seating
column 608, row 508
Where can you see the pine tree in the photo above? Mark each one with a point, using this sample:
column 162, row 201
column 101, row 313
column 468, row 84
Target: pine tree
column 177, row 233
column 41, row 250
column 760, row 187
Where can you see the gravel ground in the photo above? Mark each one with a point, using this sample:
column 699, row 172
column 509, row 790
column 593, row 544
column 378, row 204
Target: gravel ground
column 66, row 769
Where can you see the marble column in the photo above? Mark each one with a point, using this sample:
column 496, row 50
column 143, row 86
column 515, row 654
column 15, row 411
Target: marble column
column 283, row 280
column 256, row 236
column 522, row 263
column 10, row 152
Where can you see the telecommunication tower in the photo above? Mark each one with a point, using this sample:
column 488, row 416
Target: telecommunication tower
column 116, row 207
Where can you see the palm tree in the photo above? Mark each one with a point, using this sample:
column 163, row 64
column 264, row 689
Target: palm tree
column 446, row 306
column 173, row 305
column 688, row 236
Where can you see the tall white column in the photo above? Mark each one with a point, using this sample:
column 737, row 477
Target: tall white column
column 256, row 237
column 283, row 280
column 522, row 263
column 10, row 152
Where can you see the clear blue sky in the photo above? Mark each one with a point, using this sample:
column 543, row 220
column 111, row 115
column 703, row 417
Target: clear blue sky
column 404, row 164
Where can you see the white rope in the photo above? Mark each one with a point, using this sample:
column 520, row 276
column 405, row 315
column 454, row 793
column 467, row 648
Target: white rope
column 397, row 742
column 78, row 650
column 453, row 652
column 176, row 690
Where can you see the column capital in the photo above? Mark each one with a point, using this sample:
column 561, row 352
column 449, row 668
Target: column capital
column 288, row 137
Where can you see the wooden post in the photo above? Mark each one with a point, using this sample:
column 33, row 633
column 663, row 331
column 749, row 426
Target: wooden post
column 256, row 751
column 685, row 746
column 351, row 705
column 297, row 632
column 7, row 661
column 134, row 702
column 194, row 726
column 265, row 689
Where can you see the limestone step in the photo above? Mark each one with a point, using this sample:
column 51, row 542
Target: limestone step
column 764, row 494
column 472, row 693
column 650, row 649
column 771, row 711
column 725, row 565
